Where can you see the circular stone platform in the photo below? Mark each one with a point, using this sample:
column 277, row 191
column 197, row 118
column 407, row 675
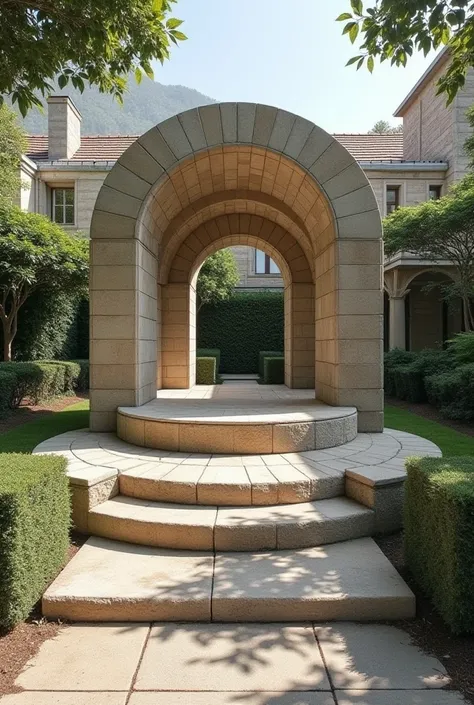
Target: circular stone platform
column 237, row 419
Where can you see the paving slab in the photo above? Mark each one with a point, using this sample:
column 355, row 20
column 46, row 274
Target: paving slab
column 399, row 697
column 366, row 656
column 234, row 657
column 86, row 657
column 34, row 698
column 335, row 582
column 110, row 580
column 241, row 698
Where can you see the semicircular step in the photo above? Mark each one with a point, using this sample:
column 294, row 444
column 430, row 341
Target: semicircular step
column 231, row 528
column 279, row 482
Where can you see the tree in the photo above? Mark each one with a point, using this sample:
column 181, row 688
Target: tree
column 35, row 254
column 439, row 231
column 98, row 41
column 12, row 146
column 393, row 29
column 382, row 127
column 217, row 278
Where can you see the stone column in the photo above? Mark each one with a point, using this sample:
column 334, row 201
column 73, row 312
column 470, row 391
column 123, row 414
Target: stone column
column 397, row 334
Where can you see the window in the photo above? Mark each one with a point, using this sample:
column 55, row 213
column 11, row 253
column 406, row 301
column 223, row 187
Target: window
column 392, row 199
column 264, row 264
column 434, row 192
column 63, row 206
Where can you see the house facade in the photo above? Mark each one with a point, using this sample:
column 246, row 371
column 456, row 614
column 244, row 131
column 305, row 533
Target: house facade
column 63, row 173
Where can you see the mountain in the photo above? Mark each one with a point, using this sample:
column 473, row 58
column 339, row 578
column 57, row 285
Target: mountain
column 145, row 105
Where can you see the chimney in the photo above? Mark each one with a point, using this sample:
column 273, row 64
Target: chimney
column 64, row 127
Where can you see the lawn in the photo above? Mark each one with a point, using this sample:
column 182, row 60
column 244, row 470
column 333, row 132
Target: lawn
column 450, row 441
column 25, row 438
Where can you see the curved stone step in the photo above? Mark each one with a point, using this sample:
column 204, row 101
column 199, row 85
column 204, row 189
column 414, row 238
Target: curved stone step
column 111, row 581
column 235, row 483
column 230, row 529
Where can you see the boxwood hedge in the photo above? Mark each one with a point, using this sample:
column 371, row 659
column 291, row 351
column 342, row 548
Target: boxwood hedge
column 439, row 534
column 241, row 327
column 34, row 530
column 273, row 370
column 206, row 370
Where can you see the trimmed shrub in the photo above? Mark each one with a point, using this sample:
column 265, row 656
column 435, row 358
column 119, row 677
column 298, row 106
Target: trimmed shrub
column 266, row 353
column 393, row 359
column 462, row 347
column 7, row 391
column 28, row 381
column 72, row 371
column 410, row 379
column 453, row 393
column 210, row 352
column 53, row 382
column 241, row 327
column 34, row 530
column 273, row 370
column 439, row 534
column 205, row 370
column 83, row 379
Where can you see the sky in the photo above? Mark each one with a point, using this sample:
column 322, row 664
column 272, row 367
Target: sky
column 286, row 53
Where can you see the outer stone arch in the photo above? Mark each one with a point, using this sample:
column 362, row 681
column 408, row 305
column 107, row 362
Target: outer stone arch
column 236, row 148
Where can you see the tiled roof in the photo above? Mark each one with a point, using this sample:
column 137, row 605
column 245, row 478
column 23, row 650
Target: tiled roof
column 378, row 148
column 363, row 147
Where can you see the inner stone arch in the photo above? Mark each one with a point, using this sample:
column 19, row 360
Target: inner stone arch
column 204, row 177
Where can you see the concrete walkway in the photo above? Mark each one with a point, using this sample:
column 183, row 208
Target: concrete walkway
column 228, row 664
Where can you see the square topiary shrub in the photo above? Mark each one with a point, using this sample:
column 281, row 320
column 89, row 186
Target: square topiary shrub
column 206, row 370
column 273, row 370
column 210, row 352
column 34, row 530
column 439, row 534
column 266, row 353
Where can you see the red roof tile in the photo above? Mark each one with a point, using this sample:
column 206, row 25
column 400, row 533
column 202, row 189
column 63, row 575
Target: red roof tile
column 363, row 147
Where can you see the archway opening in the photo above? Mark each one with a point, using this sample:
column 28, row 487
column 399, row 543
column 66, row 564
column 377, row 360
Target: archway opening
column 225, row 175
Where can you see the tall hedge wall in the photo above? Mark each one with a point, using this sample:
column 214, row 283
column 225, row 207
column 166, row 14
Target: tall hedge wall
column 241, row 327
column 52, row 326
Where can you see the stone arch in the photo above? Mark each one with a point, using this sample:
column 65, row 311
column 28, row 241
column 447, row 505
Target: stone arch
column 263, row 165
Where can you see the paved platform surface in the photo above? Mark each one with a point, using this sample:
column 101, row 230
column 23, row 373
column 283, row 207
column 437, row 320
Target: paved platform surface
column 183, row 664
column 245, row 402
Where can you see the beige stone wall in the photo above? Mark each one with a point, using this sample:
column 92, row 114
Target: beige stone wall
column 435, row 131
column 245, row 259
column 414, row 185
column 64, row 128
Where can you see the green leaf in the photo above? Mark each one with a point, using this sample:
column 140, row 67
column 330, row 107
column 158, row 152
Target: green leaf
column 370, row 63
column 353, row 32
column 148, row 70
column 357, row 6
column 353, row 60
column 62, row 80
column 348, row 27
column 157, row 5
column 178, row 35
column 344, row 16
column 173, row 23
column 138, row 75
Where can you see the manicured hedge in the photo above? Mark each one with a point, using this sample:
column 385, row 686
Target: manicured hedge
column 41, row 380
column 34, row 530
column 453, row 393
column 439, row 534
column 273, row 370
column 7, row 391
column 82, row 384
column 410, row 379
column 393, row 359
column 206, row 370
column 261, row 357
column 241, row 327
column 210, row 352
